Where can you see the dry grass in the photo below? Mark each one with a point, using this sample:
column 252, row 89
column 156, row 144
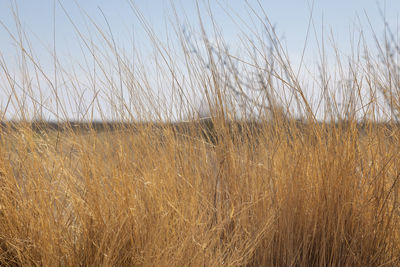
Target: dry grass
column 129, row 198
column 275, row 192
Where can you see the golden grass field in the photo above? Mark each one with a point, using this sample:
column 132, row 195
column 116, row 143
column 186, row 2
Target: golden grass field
column 281, row 188
column 325, row 197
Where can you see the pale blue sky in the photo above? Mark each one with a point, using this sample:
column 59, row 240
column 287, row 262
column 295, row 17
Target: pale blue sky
column 291, row 18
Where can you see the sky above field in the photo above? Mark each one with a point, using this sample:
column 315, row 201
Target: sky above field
column 46, row 21
column 290, row 16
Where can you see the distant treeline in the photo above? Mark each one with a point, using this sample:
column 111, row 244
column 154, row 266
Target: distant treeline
column 205, row 124
column 39, row 126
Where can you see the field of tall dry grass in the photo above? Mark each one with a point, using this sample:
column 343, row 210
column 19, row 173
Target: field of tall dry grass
column 276, row 184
